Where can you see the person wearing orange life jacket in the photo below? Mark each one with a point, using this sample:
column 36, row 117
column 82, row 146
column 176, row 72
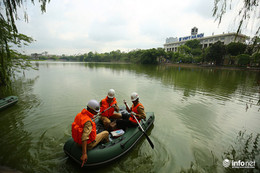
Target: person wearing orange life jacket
column 84, row 129
column 137, row 109
column 108, row 106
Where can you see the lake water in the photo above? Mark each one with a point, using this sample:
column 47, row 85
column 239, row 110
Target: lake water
column 199, row 114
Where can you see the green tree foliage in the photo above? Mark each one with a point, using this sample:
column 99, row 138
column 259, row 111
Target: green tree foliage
column 184, row 49
column 196, row 52
column 256, row 59
column 10, row 60
column 194, row 48
column 216, row 52
column 149, row 56
column 243, row 59
column 235, row 48
column 256, row 44
column 193, row 44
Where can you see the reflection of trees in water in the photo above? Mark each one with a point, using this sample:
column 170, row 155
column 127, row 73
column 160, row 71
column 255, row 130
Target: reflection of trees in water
column 220, row 83
column 15, row 141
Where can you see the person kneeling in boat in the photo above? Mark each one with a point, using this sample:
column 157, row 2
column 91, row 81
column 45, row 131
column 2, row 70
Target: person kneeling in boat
column 108, row 106
column 137, row 109
column 84, row 129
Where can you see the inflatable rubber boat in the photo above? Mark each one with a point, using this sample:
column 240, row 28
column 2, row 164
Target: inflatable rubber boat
column 118, row 146
column 8, row 101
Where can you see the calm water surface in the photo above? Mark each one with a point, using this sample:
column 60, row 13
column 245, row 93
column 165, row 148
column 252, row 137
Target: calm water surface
column 199, row 113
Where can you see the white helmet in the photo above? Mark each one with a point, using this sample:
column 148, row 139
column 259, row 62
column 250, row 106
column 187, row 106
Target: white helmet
column 111, row 93
column 94, row 105
column 134, row 96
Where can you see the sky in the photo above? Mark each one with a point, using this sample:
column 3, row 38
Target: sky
column 72, row 27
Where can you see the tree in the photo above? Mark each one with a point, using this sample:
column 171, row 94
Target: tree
column 193, row 44
column 90, row 57
column 256, row 59
column 249, row 10
column 11, row 14
column 196, row 52
column 235, row 48
column 10, row 60
column 243, row 59
column 149, row 56
column 184, row 49
column 216, row 53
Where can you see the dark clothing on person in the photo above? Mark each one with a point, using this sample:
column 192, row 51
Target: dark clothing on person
column 124, row 123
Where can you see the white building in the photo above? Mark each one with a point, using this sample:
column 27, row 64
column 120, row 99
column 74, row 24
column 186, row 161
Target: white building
column 204, row 41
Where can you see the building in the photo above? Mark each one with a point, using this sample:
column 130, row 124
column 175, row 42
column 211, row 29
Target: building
column 172, row 45
column 194, row 31
column 36, row 56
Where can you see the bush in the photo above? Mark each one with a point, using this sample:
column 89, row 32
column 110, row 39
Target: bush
column 197, row 59
column 243, row 59
column 256, row 59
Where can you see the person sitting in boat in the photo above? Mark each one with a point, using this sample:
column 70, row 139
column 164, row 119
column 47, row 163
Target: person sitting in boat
column 84, row 129
column 137, row 109
column 109, row 110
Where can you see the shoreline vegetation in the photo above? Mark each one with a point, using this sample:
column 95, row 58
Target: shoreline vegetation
column 235, row 55
column 182, row 65
column 232, row 56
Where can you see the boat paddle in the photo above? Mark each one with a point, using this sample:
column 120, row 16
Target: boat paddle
column 147, row 137
column 98, row 114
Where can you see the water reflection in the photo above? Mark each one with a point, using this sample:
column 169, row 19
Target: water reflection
column 191, row 80
column 193, row 121
column 197, row 111
column 217, row 82
column 16, row 141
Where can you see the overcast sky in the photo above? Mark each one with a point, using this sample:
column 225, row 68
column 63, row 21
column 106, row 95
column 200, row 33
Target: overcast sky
column 75, row 27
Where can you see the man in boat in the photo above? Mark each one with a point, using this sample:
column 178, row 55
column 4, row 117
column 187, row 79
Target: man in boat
column 109, row 110
column 137, row 109
column 84, row 129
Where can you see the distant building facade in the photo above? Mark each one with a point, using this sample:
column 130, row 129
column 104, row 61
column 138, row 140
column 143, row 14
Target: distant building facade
column 36, row 56
column 172, row 45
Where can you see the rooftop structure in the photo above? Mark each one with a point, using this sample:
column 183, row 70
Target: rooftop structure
column 204, row 41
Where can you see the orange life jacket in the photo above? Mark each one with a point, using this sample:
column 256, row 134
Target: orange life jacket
column 134, row 109
column 78, row 125
column 105, row 105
